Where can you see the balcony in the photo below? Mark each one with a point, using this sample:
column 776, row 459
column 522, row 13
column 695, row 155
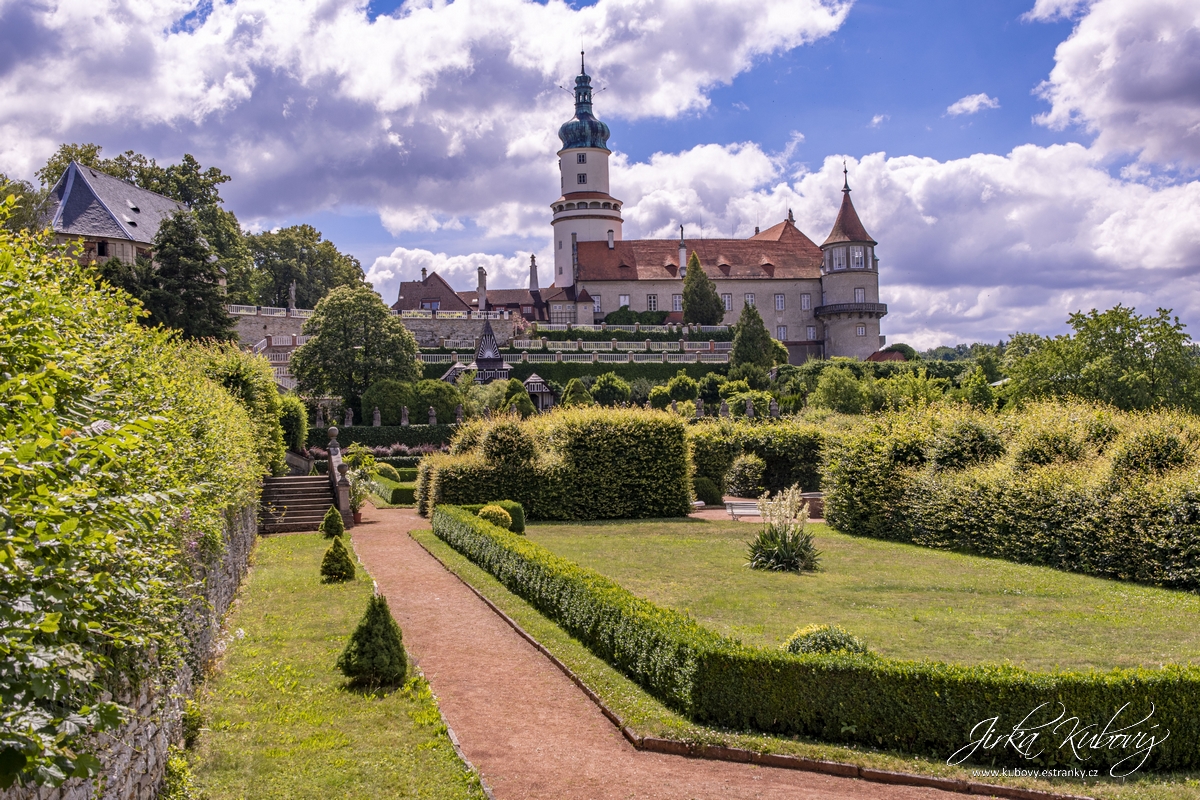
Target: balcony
column 862, row 309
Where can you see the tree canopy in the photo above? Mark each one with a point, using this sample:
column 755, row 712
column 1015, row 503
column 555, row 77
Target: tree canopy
column 751, row 342
column 299, row 254
column 702, row 305
column 355, row 342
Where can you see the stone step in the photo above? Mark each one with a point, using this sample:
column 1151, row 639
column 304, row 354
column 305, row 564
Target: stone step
column 287, row 527
column 285, row 496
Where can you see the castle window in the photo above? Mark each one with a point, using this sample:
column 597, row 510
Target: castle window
column 622, row 301
column 596, row 304
column 652, row 302
column 749, row 298
column 610, row 240
column 581, row 158
column 805, row 302
column 560, row 244
column 102, row 249
column 811, row 332
column 677, row 302
column 857, row 258
column 781, row 333
column 581, row 177
column 606, row 205
column 727, row 301
column 839, row 258
column 780, row 303
column 861, row 330
column 860, row 295
column 431, row 305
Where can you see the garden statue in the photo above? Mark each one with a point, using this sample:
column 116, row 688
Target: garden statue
column 432, row 415
column 349, row 417
column 375, row 422
column 774, row 408
column 749, row 408
column 674, row 408
column 458, row 414
column 404, row 416
column 292, row 297
column 699, row 407
column 487, row 412
column 320, row 417
column 724, row 409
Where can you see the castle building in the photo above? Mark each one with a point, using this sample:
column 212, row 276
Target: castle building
column 819, row 301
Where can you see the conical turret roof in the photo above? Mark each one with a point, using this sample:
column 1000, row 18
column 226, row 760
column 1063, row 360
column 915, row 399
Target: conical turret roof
column 848, row 227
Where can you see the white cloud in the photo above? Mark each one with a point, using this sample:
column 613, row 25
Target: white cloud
column 1051, row 10
column 879, row 119
column 1130, row 73
column 972, row 104
column 461, row 271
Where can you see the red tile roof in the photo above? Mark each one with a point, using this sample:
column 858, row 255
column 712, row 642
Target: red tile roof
column 781, row 251
column 886, row 355
column 413, row 293
column 848, row 228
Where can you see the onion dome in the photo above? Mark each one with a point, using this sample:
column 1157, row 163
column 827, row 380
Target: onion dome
column 584, row 130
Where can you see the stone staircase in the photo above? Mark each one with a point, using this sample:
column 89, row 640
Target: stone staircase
column 294, row 504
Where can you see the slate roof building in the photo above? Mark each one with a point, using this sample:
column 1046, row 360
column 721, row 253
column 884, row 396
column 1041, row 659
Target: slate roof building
column 819, row 300
column 115, row 219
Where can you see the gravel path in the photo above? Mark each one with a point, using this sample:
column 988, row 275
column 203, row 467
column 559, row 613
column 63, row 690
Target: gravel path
column 522, row 723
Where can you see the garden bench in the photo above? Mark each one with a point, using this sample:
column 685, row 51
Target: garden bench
column 742, row 508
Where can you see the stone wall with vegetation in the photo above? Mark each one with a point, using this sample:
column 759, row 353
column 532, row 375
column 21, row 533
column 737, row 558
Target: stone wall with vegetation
column 130, row 464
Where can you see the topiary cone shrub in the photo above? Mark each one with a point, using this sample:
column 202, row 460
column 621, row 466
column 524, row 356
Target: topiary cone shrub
column 496, row 515
column 332, row 525
column 375, row 654
column 337, row 566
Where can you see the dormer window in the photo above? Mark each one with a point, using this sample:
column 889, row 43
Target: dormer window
column 132, row 207
column 581, row 158
column 581, row 177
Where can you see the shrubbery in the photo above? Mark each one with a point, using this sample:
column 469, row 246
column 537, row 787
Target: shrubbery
column 918, row 707
column 293, row 419
column 516, row 513
column 384, row 435
column 707, row 492
column 337, row 566
column 333, row 524
column 585, row 463
column 1072, row 486
column 824, row 639
column 122, row 463
column 495, row 515
column 784, row 544
column 745, row 476
column 375, row 653
column 790, row 449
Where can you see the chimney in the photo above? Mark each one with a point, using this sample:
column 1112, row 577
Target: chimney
column 482, row 293
column 610, row 240
column 423, row 274
column 533, row 279
column 756, row 230
column 682, row 254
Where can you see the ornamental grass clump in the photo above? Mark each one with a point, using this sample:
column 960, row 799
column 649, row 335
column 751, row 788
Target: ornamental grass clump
column 496, row 515
column 783, row 544
column 824, row 639
column 337, row 566
column 332, row 525
column 375, row 655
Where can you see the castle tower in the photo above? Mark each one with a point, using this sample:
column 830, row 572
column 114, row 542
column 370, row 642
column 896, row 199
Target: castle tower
column 850, row 306
column 585, row 212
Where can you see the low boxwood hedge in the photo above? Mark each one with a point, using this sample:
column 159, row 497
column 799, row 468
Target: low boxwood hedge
column 922, row 707
column 513, row 508
column 397, row 494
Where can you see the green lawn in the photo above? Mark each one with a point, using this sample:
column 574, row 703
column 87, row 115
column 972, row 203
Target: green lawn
column 279, row 721
column 904, row 601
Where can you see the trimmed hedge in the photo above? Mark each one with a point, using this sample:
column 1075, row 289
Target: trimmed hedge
column 1050, row 485
column 383, row 435
column 928, row 708
column 562, row 372
column 395, row 493
column 579, row 463
column 405, row 465
column 513, row 508
column 792, row 451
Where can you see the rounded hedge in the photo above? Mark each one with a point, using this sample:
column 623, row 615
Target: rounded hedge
column 824, row 639
column 387, row 471
column 745, row 476
column 707, row 492
column 506, row 442
column 496, row 515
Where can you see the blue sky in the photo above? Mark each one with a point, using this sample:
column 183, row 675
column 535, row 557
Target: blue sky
column 422, row 134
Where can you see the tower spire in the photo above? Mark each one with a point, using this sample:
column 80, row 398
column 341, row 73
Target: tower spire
column 845, row 177
column 582, row 70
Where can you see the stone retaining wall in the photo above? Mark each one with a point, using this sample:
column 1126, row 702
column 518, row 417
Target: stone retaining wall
column 135, row 756
column 428, row 332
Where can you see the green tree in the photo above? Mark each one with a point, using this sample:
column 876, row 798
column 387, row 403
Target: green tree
column 838, row 389
column 977, row 391
column 611, row 390
column 702, row 305
column 576, row 395
column 87, row 155
column 31, row 211
column 660, row 397
column 751, row 342
column 682, row 387
column 299, row 254
column 181, row 288
column 520, row 402
column 442, row 396
column 1114, row 356
column 355, row 342
column 337, row 566
column 375, row 654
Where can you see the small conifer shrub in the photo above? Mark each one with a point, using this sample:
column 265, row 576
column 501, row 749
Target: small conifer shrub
column 707, row 491
column 332, row 525
column 496, row 515
column 337, row 566
column 375, row 653
column 745, row 476
column 824, row 639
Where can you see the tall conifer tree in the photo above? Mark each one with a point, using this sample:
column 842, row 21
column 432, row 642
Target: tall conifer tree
column 701, row 303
